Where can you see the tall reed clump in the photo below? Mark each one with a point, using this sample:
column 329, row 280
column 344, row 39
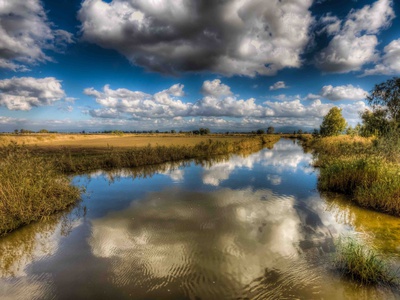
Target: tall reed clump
column 354, row 167
column 30, row 188
column 354, row 260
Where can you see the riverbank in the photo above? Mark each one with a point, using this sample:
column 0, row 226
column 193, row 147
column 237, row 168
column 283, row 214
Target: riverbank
column 358, row 167
column 34, row 182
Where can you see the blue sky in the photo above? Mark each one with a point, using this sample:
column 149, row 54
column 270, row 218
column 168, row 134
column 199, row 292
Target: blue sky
column 238, row 65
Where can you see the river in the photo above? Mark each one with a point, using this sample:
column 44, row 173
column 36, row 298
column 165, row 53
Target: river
column 248, row 227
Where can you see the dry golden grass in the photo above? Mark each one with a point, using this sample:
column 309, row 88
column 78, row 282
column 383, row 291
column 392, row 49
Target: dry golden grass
column 110, row 140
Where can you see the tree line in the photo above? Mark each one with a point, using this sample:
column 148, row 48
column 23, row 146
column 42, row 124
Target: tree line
column 383, row 120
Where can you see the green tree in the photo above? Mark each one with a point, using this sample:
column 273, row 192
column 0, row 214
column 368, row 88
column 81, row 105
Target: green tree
column 386, row 97
column 204, row 131
column 260, row 131
column 270, row 130
column 333, row 123
column 375, row 122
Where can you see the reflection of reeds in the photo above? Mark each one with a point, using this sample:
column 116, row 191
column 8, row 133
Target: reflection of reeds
column 360, row 263
column 145, row 171
column 34, row 241
column 68, row 161
column 30, row 188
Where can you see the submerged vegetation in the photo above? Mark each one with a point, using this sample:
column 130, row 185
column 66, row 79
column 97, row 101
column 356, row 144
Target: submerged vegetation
column 355, row 260
column 34, row 182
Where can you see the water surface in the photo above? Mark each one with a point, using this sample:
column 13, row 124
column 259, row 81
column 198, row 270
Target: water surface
column 247, row 227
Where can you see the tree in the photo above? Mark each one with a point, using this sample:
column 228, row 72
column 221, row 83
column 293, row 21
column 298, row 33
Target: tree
column 386, row 97
column 375, row 122
column 260, row 131
column 333, row 123
column 270, row 130
column 204, row 131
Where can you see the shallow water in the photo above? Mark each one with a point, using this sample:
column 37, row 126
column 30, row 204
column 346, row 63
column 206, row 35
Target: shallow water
column 248, row 227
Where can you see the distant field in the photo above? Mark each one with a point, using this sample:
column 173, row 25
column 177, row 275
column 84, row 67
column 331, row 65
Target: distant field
column 106, row 140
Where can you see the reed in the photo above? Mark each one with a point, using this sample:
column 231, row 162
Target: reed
column 30, row 188
column 77, row 161
column 358, row 167
column 355, row 260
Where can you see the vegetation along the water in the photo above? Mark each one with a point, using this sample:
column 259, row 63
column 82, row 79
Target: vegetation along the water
column 364, row 163
column 359, row 262
column 34, row 182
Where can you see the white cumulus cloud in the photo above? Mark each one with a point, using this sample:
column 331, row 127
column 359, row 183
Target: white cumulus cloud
column 227, row 37
column 354, row 41
column 23, row 93
column 219, row 108
column 25, row 33
column 343, row 92
column 136, row 104
column 389, row 63
column 215, row 88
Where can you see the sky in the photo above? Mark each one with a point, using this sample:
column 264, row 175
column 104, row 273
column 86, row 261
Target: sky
column 229, row 65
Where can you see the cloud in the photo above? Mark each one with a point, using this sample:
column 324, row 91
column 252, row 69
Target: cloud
column 25, row 33
column 351, row 112
column 218, row 108
column 278, row 85
column 271, row 229
column 354, row 41
column 296, row 109
column 23, row 93
column 136, row 104
column 215, row 88
column 226, row 37
column 343, row 92
column 312, row 97
column 389, row 63
column 229, row 106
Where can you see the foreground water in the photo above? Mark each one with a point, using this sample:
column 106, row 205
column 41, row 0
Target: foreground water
column 248, row 227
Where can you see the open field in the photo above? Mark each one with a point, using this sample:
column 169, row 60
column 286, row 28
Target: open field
column 58, row 140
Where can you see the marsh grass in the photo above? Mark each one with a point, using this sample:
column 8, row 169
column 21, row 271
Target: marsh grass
column 359, row 167
column 68, row 160
column 355, row 260
column 30, row 188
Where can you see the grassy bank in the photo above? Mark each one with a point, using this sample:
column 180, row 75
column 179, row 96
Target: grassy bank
column 30, row 188
column 67, row 160
column 359, row 168
column 33, row 182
